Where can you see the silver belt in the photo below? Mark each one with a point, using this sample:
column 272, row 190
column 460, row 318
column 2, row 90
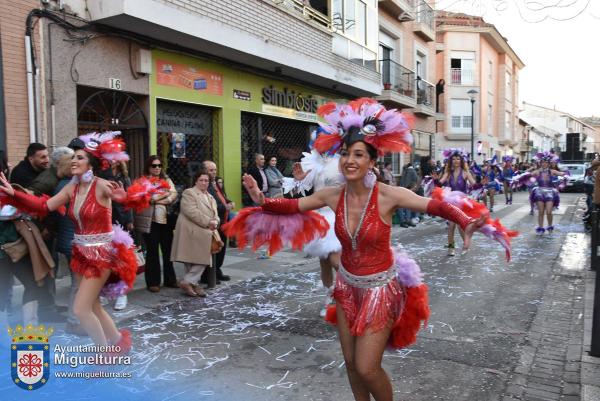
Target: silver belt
column 93, row 239
column 370, row 280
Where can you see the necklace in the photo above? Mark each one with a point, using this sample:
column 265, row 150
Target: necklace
column 354, row 237
column 78, row 203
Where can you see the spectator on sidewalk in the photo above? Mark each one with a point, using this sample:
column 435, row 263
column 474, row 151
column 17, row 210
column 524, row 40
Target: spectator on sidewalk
column 152, row 223
column 388, row 175
column 257, row 171
column 224, row 208
column 274, row 179
column 196, row 225
column 65, row 232
column 35, row 161
column 409, row 180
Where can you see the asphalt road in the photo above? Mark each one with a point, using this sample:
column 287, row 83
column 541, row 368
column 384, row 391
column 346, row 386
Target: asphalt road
column 262, row 339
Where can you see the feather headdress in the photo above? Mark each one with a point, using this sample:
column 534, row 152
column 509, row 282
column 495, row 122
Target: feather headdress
column 106, row 146
column 388, row 131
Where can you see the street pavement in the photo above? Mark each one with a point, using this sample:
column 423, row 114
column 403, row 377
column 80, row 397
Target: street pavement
column 497, row 331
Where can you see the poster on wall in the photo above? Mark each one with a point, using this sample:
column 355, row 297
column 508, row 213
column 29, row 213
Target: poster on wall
column 188, row 77
column 178, row 145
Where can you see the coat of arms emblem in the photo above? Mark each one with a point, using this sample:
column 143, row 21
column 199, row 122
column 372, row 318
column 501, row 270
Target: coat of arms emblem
column 30, row 356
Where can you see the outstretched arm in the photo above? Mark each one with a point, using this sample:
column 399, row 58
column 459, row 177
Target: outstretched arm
column 315, row 201
column 406, row 199
column 33, row 204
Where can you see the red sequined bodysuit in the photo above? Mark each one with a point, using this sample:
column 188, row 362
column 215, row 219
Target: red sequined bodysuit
column 371, row 252
column 93, row 247
column 368, row 288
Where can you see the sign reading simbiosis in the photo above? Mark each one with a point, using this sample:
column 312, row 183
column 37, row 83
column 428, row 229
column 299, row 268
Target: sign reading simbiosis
column 289, row 99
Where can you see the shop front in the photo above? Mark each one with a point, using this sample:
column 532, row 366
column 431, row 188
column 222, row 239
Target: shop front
column 203, row 110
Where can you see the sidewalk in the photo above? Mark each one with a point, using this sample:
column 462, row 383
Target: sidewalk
column 555, row 362
column 239, row 265
column 590, row 366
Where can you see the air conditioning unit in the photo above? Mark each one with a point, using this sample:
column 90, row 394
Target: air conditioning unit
column 143, row 61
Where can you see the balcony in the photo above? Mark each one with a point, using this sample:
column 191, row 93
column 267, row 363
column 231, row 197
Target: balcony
column 425, row 98
column 404, row 10
column 398, row 85
column 459, row 76
column 299, row 7
column 424, row 25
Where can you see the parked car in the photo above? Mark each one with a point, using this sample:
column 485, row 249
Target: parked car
column 576, row 177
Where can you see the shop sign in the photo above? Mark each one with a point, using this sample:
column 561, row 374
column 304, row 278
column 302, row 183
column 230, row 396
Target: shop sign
column 188, row 77
column 241, row 95
column 288, row 113
column 289, row 99
column 179, row 117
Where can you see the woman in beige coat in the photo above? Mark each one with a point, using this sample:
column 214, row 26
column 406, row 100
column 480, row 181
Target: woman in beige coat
column 197, row 223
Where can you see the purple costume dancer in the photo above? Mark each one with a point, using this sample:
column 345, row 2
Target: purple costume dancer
column 456, row 177
column 545, row 196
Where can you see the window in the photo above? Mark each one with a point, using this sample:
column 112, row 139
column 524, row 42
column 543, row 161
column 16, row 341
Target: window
column 462, row 66
column 490, row 70
column 460, row 112
column 355, row 25
column 508, row 79
column 508, row 124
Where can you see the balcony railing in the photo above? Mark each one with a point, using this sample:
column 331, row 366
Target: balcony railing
column 425, row 92
column 460, row 76
column 425, row 14
column 398, row 78
column 299, row 6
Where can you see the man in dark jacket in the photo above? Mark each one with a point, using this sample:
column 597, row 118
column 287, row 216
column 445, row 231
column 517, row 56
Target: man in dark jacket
column 258, row 172
column 36, row 161
column 224, row 205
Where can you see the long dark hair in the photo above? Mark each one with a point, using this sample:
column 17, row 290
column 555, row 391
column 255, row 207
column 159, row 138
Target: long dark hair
column 148, row 164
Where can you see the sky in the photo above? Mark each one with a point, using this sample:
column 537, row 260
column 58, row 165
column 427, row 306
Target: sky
column 558, row 40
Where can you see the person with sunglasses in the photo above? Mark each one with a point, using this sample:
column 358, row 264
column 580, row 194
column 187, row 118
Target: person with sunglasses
column 152, row 223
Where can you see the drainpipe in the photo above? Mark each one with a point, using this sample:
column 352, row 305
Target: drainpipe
column 30, row 94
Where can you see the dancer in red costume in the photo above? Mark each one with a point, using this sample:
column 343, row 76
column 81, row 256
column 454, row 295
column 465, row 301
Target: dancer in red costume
column 99, row 249
column 382, row 301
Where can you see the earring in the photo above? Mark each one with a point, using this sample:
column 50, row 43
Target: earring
column 88, row 176
column 370, row 179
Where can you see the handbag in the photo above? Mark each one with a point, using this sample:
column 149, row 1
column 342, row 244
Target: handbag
column 141, row 261
column 216, row 244
column 16, row 250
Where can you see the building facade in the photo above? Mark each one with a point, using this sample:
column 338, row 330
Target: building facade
column 192, row 80
column 480, row 76
column 17, row 120
column 577, row 139
column 535, row 139
column 407, row 60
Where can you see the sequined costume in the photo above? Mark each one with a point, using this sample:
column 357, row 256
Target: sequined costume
column 95, row 246
column 545, row 190
column 457, row 184
column 323, row 171
column 492, row 179
column 368, row 287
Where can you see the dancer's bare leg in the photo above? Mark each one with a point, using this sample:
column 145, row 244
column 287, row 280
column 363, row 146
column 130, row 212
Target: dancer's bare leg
column 368, row 353
column 83, row 306
column 549, row 211
column 326, row 273
column 108, row 324
column 492, row 192
column 540, row 206
column 451, row 229
column 348, row 341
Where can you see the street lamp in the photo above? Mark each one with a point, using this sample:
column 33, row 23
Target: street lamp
column 528, row 128
column 472, row 94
